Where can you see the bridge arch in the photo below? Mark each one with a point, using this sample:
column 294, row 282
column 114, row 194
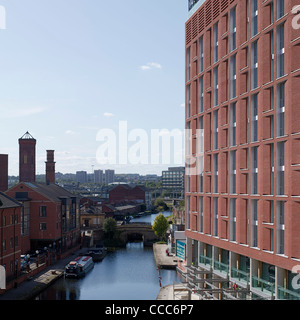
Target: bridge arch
column 137, row 232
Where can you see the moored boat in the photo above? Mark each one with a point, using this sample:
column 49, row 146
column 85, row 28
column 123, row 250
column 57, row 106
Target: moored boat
column 79, row 267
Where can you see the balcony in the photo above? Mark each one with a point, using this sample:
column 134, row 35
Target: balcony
column 241, row 276
column 266, row 287
column 285, row 294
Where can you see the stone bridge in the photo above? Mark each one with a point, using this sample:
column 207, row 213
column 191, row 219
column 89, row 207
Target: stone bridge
column 137, row 232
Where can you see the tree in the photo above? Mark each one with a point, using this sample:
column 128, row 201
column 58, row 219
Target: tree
column 160, row 226
column 110, row 227
column 161, row 205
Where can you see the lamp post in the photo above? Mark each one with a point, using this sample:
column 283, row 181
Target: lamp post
column 37, row 258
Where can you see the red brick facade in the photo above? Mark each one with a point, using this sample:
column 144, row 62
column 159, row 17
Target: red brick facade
column 242, row 97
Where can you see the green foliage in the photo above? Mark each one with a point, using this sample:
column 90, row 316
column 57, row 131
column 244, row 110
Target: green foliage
column 110, row 227
column 160, row 226
column 161, row 205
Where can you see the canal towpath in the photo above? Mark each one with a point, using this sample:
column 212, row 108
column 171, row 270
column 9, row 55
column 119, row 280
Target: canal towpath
column 33, row 286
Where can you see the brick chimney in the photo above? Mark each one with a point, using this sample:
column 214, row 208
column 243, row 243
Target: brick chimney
column 27, row 158
column 50, row 167
column 3, row 172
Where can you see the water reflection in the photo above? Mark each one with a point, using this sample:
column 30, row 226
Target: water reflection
column 126, row 274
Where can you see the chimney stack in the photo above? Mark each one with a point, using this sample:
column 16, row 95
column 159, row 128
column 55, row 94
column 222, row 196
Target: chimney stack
column 27, row 158
column 50, row 167
column 3, row 172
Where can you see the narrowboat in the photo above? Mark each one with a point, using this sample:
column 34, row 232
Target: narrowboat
column 79, row 267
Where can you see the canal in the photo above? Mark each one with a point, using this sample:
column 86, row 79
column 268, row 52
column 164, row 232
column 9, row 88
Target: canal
column 126, row 274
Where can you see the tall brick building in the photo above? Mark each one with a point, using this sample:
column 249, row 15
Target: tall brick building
column 243, row 147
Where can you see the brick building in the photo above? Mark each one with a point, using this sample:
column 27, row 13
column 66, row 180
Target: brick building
column 243, row 145
column 3, row 172
column 10, row 235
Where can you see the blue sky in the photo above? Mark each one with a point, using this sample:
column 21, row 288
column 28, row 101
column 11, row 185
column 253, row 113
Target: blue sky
column 70, row 68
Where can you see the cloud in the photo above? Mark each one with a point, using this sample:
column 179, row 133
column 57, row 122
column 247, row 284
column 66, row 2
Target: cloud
column 182, row 105
column 70, row 132
column 108, row 114
column 151, row 65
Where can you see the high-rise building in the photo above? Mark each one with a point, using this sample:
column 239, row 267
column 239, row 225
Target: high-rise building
column 243, row 148
column 98, row 176
column 27, row 160
column 173, row 179
column 109, row 176
column 81, row 176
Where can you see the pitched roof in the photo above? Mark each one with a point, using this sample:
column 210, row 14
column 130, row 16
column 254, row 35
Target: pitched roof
column 52, row 191
column 8, row 202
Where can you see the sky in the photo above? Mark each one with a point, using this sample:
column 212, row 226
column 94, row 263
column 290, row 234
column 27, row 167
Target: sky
column 92, row 79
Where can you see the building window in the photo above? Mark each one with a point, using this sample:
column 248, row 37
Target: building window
column 233, row 77
column 188, row 138
column 200, row 136
column 280, row 51
column 200, row 166
column 280, row 168
column 254, row 65
column 215, row 173
column 201, row 94
column 215, row 217
column 254, row 118
column 272, row 168
column 188, row 213
column 280, row 8
column 215, row 43
column 215, row 130
column 254, row 170
column 201, row 65
column 254, row 18
column 280, row 227
column 201, row 214
column 188, row 101
column 272, row 54
column 233, row 124
column 233, row 172
column 43, row 211
column 215, row 86
column 280, row 109
column 233, row 29
column 188, row 64
column 233, row 219
column 43, row 226
column 254, row 223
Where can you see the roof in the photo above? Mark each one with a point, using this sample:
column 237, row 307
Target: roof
column 27, row 136
column 52, row 191
column 8, row 202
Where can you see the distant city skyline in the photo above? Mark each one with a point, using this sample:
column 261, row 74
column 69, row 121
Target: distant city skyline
column 70, row 69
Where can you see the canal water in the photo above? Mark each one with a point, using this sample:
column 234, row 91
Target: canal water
column 126, row 274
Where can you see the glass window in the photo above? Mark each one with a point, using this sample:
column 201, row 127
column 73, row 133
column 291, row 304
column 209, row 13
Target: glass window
column 188, row 64
column 280, row 227
column 201, row 65
column 233, row 219
column 233, row 77
column 254, row 118
column 215, row 43
column 254, row 65
column 215, row 217
column 201, row 214
column 280, row 168
column 280, row 8
column 254, row 170
column 254, row 16
column 215, row 87
column 188, row 101
column 233, row 29
column 233, row 172
column 233, row 124
column 201, row 94
column 280, row 51
column 215, row 130
column 254, row 223
column 280, row 109
column 215, row 173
